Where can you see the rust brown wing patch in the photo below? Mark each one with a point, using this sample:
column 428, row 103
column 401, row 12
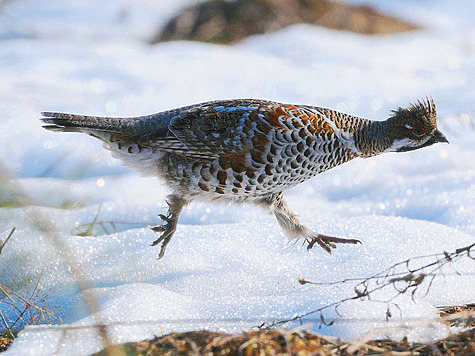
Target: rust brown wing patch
column 234, row 160
column 273, row 116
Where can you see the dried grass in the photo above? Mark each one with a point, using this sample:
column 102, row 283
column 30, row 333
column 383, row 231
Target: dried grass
column 291, row 342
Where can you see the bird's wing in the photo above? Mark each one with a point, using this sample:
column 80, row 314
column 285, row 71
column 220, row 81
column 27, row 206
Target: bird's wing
column 215, row 129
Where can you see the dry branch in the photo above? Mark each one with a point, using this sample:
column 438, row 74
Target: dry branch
column 400, row 276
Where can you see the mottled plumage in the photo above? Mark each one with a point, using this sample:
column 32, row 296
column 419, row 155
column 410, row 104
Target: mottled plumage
column 249, row 150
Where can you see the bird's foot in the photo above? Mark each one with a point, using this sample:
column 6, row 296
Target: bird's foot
column 327, row 242
column 167, row 229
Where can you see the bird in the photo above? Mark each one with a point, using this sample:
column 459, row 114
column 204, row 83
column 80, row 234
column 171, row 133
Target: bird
column 250, row 151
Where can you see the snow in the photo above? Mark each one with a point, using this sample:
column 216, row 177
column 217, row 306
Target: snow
column 228, row 267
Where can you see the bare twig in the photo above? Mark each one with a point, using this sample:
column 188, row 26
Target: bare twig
column 379, row 331
column 2, row 244
column 90, row 226
column 22, row 306
column 103, row 223
column 6, row 325
column 408, row 280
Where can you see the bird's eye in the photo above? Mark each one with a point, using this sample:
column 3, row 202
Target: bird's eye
column 418, row 130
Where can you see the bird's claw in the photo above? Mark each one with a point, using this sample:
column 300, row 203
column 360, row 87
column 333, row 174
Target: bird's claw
column 167, row 229
column 161, row 228
column 164, row 238
column 327, row 246
column 158, row 228
column 164, row 217
column 328, row 242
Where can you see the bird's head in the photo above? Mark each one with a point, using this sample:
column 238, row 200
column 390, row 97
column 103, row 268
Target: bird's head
column 414, row 127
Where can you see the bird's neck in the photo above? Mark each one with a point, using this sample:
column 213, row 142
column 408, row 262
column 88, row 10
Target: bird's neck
column 372, row 138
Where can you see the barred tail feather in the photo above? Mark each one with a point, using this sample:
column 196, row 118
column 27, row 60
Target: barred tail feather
column 80, row 123
column 114, row 132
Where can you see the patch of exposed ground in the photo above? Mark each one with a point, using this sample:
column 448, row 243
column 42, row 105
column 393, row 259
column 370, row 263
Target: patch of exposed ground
column 286, row 342
column 296, row 342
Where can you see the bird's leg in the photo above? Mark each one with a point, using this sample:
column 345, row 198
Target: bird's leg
column 168, row 228
column 294, row 230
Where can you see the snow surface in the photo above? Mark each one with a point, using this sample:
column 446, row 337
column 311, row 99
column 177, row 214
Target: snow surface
column 229, row 267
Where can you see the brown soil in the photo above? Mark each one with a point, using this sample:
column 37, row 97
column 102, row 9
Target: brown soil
column 221, row 21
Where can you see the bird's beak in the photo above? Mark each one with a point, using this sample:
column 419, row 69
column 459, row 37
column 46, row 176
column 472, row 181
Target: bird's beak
column 438, row 136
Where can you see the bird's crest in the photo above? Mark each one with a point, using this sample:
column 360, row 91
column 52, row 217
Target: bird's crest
column 422, row 110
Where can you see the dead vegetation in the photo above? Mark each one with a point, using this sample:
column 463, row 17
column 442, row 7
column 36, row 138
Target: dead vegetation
column 220, row 21
column 413, row 276
column 28, row 308
column 283, row 342
column 23, row 308
column 5, row 342
column 288, row 342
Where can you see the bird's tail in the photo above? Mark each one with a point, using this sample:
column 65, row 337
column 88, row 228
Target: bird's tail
column 79, row 123
column 122, row 136
column 131, row 139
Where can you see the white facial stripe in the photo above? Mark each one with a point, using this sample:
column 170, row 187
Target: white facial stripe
column 397, row 144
